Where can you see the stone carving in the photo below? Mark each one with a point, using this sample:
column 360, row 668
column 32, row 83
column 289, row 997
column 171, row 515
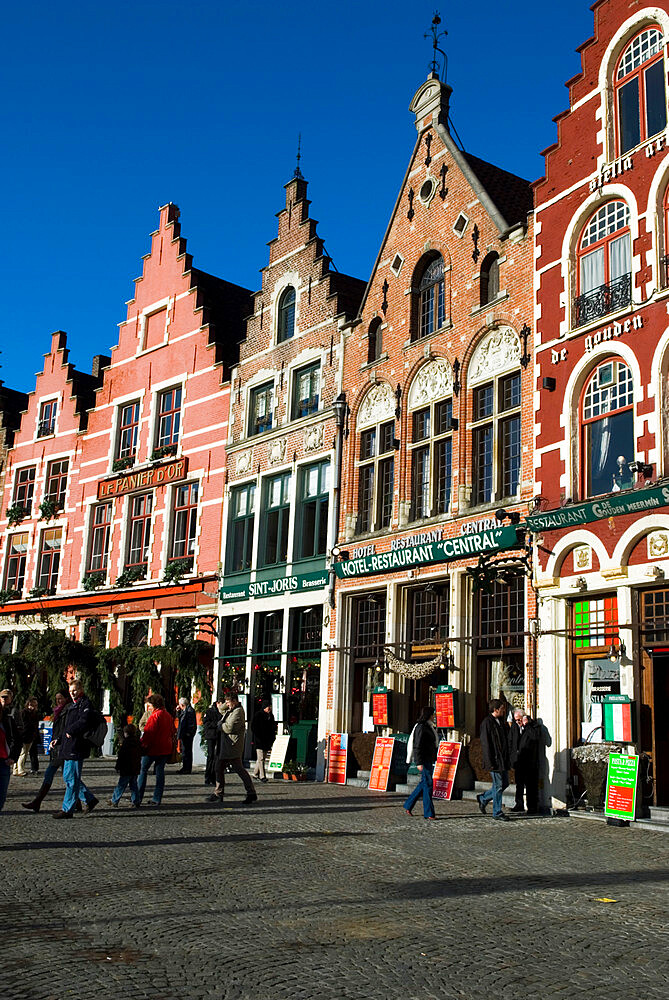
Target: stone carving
column 434, row 380
column 313, row 438
column 244, row 462
column 277, row 451
column 379, row 404
column 582, row 558
column 497, row 352
column 658, row 545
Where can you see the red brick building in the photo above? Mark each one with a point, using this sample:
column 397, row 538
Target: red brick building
column 602, row 508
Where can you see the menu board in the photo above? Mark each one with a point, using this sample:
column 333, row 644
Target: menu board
column 383, row 757
column 621, row 778
column 380, row 707
column 337, row 758
column 278, row 754
column 445, row 708
column 448, row 756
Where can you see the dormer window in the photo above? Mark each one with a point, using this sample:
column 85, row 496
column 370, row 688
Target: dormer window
column 641, row 103
column 286, row 316
column 47, row 418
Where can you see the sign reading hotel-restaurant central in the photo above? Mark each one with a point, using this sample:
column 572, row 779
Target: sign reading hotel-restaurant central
column 144, row 479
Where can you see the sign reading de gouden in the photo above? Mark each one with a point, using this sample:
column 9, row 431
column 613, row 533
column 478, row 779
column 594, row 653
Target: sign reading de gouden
column 627, row 502
column 146, row 479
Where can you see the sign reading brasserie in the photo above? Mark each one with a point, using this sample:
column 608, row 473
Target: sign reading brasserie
column 277, row 585
column 627, row 502
column 145, row 479
column 435, row 550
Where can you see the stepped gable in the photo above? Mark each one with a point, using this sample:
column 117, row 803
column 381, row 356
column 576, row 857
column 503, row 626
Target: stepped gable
column 12, row 405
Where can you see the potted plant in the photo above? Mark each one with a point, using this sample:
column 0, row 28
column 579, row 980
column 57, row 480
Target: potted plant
column 176, row 569
column 8, row 595
column 130, row 575
column 16, row 513
column 119, row 464
column 300, row 772
column 38, row 592
column 592, row 760
column 163, row 451
column 48, row 509
column 289, row 773
column 94, row 579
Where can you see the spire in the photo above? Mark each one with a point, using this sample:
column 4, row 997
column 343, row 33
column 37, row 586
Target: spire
column 436, row 35
column 298, row 172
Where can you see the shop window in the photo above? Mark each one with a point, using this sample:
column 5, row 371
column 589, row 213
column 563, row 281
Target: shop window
column 500, row 671
column 234, row 648
column 641, row 103
column 15, row 566
column 607, row 429
column 368, row 636
column 596, row 668
column 135, row 634
column 267, row 661
column 24, row 488
column 49, row 559
column 312, row 512
column 242, row 521
column 47, row 418
column 128, row 428
column 184, row 523
column 304, row 663
column 261, row 403
column 286, row 315
column 306, row 383
column 604, row 264
column 376, row 476
column 169, row 418
column 139, row 531
column 496, row 445
column 100, row 536
column 431, row 459
column 276, row 519
column 56, row 481
column 179, row 632
column 431, row 300
column 374, row 341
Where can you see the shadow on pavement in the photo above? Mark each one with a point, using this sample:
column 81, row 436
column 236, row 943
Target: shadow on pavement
column 49, row 845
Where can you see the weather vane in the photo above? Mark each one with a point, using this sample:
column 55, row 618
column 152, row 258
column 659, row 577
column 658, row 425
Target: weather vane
column 298, row 172
column 436, row 35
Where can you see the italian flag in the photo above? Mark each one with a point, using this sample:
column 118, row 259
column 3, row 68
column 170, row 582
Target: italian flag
column 618, row 722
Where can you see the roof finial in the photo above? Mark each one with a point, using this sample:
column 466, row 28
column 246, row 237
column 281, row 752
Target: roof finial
column 298, row 172
column 436, row 35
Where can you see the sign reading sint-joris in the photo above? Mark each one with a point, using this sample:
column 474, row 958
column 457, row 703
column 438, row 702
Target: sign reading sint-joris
column 434, row 550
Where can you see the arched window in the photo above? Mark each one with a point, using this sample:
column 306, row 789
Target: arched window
column 431, row 301
column 641, row 103
column 604, row 263
column 607, row 428
column 489, row 278
column 286, row 315
column 374, row 341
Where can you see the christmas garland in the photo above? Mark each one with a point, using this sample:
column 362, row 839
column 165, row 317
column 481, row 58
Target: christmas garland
column 415, row 671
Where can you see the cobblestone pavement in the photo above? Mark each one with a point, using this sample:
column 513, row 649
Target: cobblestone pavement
column 323, row 892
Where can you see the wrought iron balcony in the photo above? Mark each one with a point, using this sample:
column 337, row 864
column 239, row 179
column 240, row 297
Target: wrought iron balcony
column 603, row 300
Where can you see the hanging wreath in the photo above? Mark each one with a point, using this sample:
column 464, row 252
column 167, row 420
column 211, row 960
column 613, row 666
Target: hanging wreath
column 415, row 671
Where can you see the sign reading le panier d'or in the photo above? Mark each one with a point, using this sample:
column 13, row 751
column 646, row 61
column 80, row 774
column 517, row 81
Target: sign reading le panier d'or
column 625, row 502
column 143, row 479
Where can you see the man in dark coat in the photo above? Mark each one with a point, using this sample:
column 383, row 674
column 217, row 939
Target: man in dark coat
column 73, row 749
column 210, row 721
column 186, row 731
column 524, row 759
column 495, row 747
column 264, row 729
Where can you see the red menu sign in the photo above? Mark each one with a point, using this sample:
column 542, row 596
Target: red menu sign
column 337, row 754
column 445, row 710
column 448, row 756
column 380, row 708
column 146, row 479
column 383, row 756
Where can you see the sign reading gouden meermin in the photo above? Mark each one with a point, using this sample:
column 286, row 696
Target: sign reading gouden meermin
column 627, row 502
column 146, row 479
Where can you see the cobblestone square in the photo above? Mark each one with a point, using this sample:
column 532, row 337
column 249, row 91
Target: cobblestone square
column 319, row 891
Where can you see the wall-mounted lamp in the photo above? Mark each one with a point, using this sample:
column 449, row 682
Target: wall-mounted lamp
column 548, row 383
column 642, row 469
column 338, row 553
column 580, row 583
column 512, row 515
column 616, row 652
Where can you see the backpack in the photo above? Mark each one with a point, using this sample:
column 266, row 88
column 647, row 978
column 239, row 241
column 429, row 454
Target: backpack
column 98, row 729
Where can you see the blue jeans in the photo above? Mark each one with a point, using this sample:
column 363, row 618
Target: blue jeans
column 424, row 788
column 160, row 777
column 5, row 775
column 51, row 772
column 123, row 782
column 74, row 786
column 500, row 780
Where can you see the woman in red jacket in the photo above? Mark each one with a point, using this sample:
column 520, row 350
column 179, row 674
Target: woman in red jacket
column 157, row 743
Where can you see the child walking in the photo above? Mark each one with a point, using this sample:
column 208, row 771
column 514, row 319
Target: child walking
column 128, row 764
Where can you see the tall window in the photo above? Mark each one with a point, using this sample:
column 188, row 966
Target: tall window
column 185, row 521
column 128, row 429
column 604, row 263
column 286, row 315
column 136, row 634
column 313, row 497
column 234, row 646
column 641, row 102
column 431, row 300
column 489, row 278
column 276, row 518
column 428, row 614
column 306, row 384
column 169, row 418
column 261, row 403
column 607, row 421
column 15, row 567
column 49, row 559
column 242, row 519
column 374, row 341
column 304, row 664
column 496, row 453
column 56, row 481
column 100, row 533
column 24, row 487
column 47, row 418
column 431, row 459
column 139, row 531
column 376, row 477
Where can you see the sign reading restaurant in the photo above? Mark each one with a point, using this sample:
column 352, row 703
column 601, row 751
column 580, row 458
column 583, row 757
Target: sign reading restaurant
column 627, row 502
column 434, row 550
column 146, row 479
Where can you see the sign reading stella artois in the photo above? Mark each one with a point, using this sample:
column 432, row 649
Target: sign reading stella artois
column 143, row 479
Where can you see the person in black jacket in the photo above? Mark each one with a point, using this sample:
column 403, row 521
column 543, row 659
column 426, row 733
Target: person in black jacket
column 128, row 765
column 424, row 753
column 524, row 739
column 264, row 729
column 10, row 746
column 74, row 748
column 186, row 731
column 495, row 747
column 61, row 702
column 210, row 721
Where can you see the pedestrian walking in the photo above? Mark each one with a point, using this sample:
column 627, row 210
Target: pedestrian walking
column 423, row 750
column 74, row 748
column 145, row 715
column 61, row 701
column 495, row 747
column 157, row 742
column 186, row 731
column 12, row 709
column 524, row 738
column 128, row 766
column 210, row 721
column 232, row 729
column 264, row 729
column 10, row 747
column 31, row 718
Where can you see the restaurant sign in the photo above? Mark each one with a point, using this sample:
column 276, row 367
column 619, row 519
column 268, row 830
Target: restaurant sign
column 436, row 551
column 627, row 502
column 144, row 479
column 298, row 582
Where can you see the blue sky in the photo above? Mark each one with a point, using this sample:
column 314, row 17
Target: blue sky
column 112, row 109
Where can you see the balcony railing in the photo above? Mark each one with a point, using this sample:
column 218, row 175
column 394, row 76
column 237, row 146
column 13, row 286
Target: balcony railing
column 603, row 300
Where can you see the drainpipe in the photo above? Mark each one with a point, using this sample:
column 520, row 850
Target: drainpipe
column 339, row 406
